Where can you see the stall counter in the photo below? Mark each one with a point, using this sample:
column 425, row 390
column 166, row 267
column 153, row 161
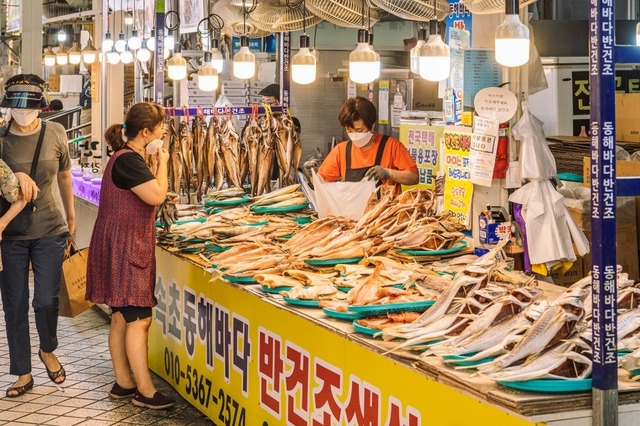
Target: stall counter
column 247, row 359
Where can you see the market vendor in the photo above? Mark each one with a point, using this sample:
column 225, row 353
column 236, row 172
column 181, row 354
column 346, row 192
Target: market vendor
column 368, row 154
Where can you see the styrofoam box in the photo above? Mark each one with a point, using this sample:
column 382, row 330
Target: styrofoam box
column 259, row 84
column 254, row 91
column 237, row 101
column 204, row 101
column 234, row 84
column 234, row 92
column 255, row 99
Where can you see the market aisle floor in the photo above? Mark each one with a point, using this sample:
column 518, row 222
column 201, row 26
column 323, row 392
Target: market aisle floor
column 83, row 398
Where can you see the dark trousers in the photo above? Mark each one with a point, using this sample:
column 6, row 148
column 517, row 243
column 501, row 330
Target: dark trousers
column 45, row 255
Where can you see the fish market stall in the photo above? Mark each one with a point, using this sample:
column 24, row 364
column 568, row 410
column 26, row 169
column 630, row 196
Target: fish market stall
column 246, row 357
column 263, row 318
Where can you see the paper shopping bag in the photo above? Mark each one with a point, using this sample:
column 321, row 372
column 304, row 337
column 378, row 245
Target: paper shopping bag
column 73, row 283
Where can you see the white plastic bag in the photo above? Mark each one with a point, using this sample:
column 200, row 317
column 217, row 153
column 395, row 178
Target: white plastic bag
column 536, row 159
column 347, row 199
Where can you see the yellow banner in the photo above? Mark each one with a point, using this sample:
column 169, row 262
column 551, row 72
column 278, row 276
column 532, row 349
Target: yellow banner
column 458, row 189
column 423, row 143
column 245, row 361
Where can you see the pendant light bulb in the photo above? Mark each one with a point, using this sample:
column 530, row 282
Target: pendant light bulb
column 512, row 38
column 143, row 54
column 107, row 43
column 128, row 19
column 134, row 41
column 435, row 60
column 113, row 57
column 126, row 57
column 244, row 62
column 121, row 43
column 207, row 75
column 151, row 41
column 217, row 60
column 49, row 57
column 61, row 36
column 89, row 53
column 364, row 62
column 177, row 65
column 415, row 52
column 61, row 56
column 303, row 63
column 170, row 40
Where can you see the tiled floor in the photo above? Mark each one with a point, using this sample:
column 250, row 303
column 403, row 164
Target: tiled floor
column 83, row 398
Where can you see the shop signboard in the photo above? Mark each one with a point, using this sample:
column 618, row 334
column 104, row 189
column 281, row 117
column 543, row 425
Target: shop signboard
column 423, row 143
column 242, row 360
column 458, row 188
column 459, row 17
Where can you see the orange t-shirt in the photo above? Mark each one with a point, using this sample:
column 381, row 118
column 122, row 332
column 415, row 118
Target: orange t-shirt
column 395, row 157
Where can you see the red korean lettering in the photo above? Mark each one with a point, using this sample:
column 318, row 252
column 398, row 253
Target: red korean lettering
column 363, row 403
column 395, row 417
column 327, row 408
column 175, row 330
column 297, row 385
column 270, row 368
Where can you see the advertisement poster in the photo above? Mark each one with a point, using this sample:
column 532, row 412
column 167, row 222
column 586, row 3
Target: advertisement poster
column 423, row 143
column 246, row 360
column 458, row 188
column 483, row 150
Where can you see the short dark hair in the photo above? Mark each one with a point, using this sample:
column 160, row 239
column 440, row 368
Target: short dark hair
column 355, row 109
column 271, row 90
column 56, row 105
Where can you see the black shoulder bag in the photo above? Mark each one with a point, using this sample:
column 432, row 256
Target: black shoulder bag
column 20, row 224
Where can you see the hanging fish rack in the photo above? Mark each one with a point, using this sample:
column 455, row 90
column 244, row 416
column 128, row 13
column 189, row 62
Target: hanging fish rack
column 243, row 110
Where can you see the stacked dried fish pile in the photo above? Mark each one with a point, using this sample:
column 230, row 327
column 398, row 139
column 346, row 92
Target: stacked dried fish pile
column 248, row 260
column 288, row 198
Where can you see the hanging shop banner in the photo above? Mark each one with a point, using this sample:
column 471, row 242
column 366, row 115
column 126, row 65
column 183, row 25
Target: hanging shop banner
column 423, row 143
column 246, row 361
column 482, row 156
column 458, row 188
column 459, row 17
column 158, row 80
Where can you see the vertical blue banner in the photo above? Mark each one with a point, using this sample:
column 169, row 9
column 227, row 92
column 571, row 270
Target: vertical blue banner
column 158, row 80
column 603, row 196
column 285, row 67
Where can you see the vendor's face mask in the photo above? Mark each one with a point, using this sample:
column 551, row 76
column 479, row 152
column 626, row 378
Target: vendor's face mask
column 23, row 116
column 360, row 139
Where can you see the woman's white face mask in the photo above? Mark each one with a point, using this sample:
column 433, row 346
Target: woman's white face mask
column 360, row 139
column 24, row 116
column 153, row 146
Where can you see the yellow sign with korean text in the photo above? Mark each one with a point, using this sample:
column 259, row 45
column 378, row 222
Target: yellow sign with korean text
column 245, row 361
column 423, row 143
column 458, row 188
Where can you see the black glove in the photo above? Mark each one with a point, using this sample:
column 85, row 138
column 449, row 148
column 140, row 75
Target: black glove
column 377, row 173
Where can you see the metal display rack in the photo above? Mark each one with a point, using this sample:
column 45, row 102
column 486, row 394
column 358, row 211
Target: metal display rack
column 605, row 186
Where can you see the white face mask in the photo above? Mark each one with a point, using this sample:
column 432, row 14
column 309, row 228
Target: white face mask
column 360, row 139
column 23, row 116
column 153, row 146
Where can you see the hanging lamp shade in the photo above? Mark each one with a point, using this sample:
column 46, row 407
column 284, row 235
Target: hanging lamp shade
column 303, row 63
column 121, row 43
column 244, row 62
column 216, row 56
column 61, row 56
column 177, row 65
column 113, row 57
column 75, row 54
column 415, row 52
column 512, row 38
column 49, row 57
column 207, row 75
column 435, row 59
column 126, row 57
column 143, row 54
column 89, row 53
column 364, row 62
column 151, row 41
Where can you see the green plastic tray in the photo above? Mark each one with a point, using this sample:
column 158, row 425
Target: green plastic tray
column 276, row 290
column 366, row 330
column 302, row 302
column 267, row 209
column 551, row 385
column 456, row 247
column 229, row 202
column 341, row 315
column 368, row 310
column 332, row 262
column 239, row 280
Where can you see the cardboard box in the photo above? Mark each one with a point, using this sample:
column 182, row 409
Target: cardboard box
column 623, row 168
column 627, row 123
column 575, row 273
column 493, row 232
column 54, row 82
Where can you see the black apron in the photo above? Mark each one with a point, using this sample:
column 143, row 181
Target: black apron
column 356, row 175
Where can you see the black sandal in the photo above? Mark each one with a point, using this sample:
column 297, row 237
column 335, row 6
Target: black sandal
column 20, row 390
column 53, row 375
